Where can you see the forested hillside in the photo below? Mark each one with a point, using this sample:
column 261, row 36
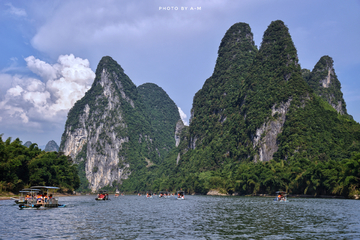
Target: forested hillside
column 257, row 125
column 22, row 167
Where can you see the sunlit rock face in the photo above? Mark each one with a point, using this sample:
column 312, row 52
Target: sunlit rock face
column 324, row 82
column 265, row 138
column 97, row 137
column 179, row 127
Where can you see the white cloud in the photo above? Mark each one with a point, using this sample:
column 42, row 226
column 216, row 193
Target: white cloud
column 34, row 102
column 41, row 68
column 16, row 91
column 16, row 11
column 183, row 116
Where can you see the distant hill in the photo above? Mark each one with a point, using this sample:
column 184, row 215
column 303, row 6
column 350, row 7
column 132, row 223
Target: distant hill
column 51, row 146
column 27, row 144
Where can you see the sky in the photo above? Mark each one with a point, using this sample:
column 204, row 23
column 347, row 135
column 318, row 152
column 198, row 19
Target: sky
column 50, row 50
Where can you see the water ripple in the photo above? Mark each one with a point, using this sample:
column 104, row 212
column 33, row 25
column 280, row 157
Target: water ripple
column 197, row 217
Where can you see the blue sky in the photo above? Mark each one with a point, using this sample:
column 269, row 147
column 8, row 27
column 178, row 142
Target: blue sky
column 50, row 49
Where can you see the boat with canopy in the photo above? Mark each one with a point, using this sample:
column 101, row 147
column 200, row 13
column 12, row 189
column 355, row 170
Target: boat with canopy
column 25, row 195
column 39, row 197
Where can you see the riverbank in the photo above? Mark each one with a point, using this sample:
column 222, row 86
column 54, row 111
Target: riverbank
column 217, row 192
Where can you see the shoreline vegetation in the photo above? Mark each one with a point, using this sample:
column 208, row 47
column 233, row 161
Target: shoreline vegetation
column 22, row 167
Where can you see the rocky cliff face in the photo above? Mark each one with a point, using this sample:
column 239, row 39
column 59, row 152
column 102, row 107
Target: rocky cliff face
column 265, row 138
column 178, row 129
column 98, row 133
column 109, row 128
column 326, row 84
column 51, row 146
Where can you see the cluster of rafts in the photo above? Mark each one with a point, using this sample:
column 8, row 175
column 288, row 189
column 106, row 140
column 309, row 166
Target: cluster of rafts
column 180, row 195
column 42, row 197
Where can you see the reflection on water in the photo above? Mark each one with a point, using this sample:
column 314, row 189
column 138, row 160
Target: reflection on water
column 197, row 217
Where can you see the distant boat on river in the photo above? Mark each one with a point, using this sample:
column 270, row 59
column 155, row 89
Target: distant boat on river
column 180, row 195
column 281, row 196
column 117, row 193
column 102, row 195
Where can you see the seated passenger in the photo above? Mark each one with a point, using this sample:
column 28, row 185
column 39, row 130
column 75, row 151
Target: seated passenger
column 38, row 198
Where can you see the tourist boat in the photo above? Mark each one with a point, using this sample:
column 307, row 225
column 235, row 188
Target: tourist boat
column 180, row 195
column 164, row 194
column 148, row 194
column 25, row 195
column 40, row 197
column 117, row 193
column 281, row 196
column 102, row 195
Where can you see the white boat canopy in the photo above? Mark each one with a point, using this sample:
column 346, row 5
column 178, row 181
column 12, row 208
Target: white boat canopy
column 46, row 187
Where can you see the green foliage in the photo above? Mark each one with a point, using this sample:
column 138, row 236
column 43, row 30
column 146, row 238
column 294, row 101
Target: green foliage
column 84, row 183
column 21, row 166
column 217, row 124
column 162, row 114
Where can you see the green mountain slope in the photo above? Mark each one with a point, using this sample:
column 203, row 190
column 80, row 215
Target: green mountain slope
column 114, row 131
column 272, row 124
column 161, row 113
column 214, row 124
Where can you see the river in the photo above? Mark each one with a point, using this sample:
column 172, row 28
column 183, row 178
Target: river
column 196, row 217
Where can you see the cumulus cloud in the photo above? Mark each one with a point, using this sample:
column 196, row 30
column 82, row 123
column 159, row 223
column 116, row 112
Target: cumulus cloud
column 183, row 116
column 33, row 102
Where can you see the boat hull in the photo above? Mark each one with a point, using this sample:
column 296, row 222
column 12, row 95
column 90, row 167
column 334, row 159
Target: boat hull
column 40, row 206
column 101, row 199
